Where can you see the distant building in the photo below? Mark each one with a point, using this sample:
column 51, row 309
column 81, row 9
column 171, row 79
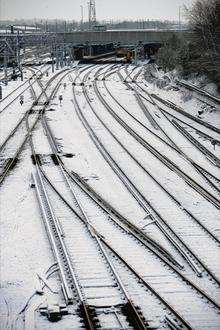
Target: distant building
column 100, row 27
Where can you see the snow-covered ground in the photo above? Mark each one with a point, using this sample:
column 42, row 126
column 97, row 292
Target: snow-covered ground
column 25, row 250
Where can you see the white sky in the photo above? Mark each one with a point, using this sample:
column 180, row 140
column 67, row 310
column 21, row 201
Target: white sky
column 106, row 9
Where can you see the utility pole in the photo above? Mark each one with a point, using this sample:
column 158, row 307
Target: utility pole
column 179, row 17
column 52, row 55
column 57, row 58
column 6, row 65
column 81, row 18
column 19, row 58
column 52, row 59
column 61, row 56
column 70, row 59
column 92, row 14
column 135, row 56
column 64, row 54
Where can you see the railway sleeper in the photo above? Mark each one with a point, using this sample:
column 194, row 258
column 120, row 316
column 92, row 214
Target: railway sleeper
column 185, row 113
column 134, row 316
column 204, row 150
column 34, row 111
column 112, row 211
column 89, row 316
column 172, row 323
column 54, row 312
column 8, row 164
column 44, row 159
column 68, row 155
column 36, row 159
column 54, row 159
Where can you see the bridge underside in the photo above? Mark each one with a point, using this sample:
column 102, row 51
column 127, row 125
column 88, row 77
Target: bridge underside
column 124, row 37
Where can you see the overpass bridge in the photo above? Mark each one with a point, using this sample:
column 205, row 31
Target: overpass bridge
column 125, row 37
column 58, row 42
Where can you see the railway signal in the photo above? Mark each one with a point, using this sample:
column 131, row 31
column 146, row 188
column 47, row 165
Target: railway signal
column 21, row 99
column 60, row 98
column 214, row 142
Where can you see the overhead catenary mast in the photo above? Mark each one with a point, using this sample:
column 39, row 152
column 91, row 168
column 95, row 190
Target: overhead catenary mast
column 81, row 23
column 92, row 14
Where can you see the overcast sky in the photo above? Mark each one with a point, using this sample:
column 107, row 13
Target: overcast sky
column 106, row 9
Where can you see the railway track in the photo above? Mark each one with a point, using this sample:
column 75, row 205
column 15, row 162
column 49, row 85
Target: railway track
column 134, row 228
column 214, row 159
column 89, row 310
column 198, row 131
column 118, row 141
column 165, row 141
column 172, row 106
column 147, row 113
column 90, row 133
column 205, row 173
column 131, row 285
column 84, row 292
column 10, row 162
column 208, row 155
column 215, row 100
column 199, row 91
column 130, row 311
column 31, row 81
column 150, row 99
column 194, row 164
column 147, row 207
column 191, row 182
column 170, row 315
column 186, row 114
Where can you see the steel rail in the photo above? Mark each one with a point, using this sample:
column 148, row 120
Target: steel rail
column 197, row 258
column 145, row 204
column 174, row 199
column 137, row 321
column 201, row 133
column 12, row 161
column 189, row 281
column 191, row 182
column 30, row 84
column 134, row 315
column 186, row 114
column 199, row 169
column 83, row 309
column 198, row 90
column 176, row 148
column 214, row 159
column 133, row 271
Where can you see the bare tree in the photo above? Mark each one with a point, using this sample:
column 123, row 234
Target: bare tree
column 204, row 20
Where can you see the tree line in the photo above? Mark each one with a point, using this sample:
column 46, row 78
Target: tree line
column 58, row 25
column 201, row 55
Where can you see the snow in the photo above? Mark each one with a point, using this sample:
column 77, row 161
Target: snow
column 25, row 249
